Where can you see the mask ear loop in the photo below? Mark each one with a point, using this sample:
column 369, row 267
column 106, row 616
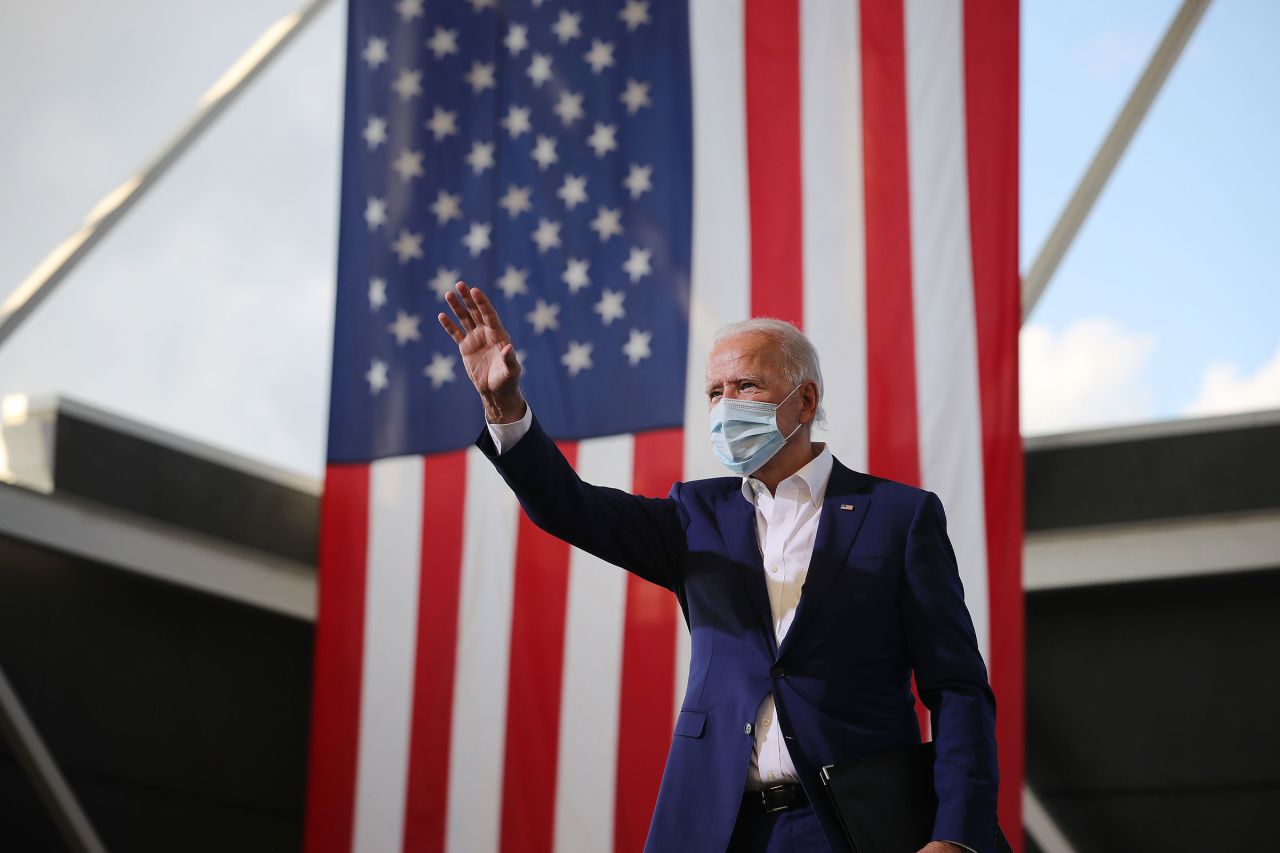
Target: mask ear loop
column 775, row 416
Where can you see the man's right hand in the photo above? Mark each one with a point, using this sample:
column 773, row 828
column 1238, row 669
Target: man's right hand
column 487, row 353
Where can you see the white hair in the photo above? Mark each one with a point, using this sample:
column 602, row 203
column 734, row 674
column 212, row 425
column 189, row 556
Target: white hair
column 798, row 354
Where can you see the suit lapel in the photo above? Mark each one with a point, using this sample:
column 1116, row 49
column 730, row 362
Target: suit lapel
column 737, row 519
column 843, row 510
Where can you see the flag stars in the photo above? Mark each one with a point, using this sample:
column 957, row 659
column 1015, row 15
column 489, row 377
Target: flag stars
column 600, row 56
column 375, row 132
column 442, row 282
column 603, row 139
column 375, row 52
column 440, row 370
column 408, row 164
column 573, row 191
column 517, row 39
column 639, row 180
column 408, row 84
column 575, row 274
column 544, row 153
column 610, row 306
column 479, row 6
column 637, row 265
column 569, row 107
column 637, row 346
column 517, row 121
column 446, row 206
column 377, row 293
column 409, row 9
column 540, row 69
column 480, row 77
column 567, row 27
column 545, row 315
column 513, row 282
column 375, row 212
column 376, row 376
column 405, row 328
column 608, row 223
column 547, row 235
column 516, row 201
column 442, row 123
column 481, row 157
column 578, row 358
column 408, row 246
column 634, row 14
column 443, row 42
column 478, row 238
column 635, row 96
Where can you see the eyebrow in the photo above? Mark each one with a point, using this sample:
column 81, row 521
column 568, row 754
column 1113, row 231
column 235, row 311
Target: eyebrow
column 736, row 380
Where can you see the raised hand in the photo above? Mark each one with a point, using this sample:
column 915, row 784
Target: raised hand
column 487, row 353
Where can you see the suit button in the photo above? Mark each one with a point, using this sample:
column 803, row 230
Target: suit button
column 746, row 730
column 777, row 672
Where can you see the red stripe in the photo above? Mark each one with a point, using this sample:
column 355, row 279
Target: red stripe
column 335, row 692
column 991, row 99
column 426, row 797
column 533, row 692
column 772, row 33
column 892, row 424
column 648, row 661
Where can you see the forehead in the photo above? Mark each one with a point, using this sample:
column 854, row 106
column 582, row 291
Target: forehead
column 752, row 353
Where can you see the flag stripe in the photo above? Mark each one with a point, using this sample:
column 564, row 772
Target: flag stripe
column 772, row 36
column 390, row 635
column 991, row 125
column 335, row 702
column 484, row 646
column 648, row 660
column 444, row 483
column 834, row 230
column 535, row 677
column 892, row 425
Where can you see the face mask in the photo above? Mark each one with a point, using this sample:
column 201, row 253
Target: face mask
column 745, row 434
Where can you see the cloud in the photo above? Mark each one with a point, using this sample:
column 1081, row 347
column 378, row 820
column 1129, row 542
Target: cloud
column 1224, row 390
column 1089, row 374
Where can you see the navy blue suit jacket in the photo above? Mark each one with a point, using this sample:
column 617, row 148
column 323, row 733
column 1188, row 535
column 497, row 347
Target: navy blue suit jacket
column 882, row 599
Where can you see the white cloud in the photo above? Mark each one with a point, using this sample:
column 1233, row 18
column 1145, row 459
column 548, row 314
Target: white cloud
column 1090, row 374
column 1223, row 389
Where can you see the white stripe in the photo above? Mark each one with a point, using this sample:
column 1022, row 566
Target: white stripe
column 945, row 323
column 390, row 642
column 586, row 769
column 484, row 647
column 834, row 231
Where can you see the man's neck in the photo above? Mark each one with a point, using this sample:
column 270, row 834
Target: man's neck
column 794, row 456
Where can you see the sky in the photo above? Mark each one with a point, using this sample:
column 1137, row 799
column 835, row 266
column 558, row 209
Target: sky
column 209, row 311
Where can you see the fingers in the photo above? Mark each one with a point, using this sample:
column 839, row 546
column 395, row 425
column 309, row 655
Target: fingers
column 459, row 306
column 488, row 315
column 452, row 330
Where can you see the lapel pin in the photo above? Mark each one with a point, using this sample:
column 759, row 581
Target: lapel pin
column 846, row 506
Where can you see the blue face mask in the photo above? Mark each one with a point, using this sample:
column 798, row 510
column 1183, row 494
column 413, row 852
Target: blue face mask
column 745, row 434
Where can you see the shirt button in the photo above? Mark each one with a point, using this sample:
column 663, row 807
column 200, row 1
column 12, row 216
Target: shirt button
column 773, row 569
column 765, row 721
column 773, row 776
column 746, row 730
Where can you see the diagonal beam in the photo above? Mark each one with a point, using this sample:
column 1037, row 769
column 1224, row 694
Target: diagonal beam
column 1110, row 152
column 55, row 267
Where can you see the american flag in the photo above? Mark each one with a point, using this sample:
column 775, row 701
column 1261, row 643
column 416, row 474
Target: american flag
column 623, row 177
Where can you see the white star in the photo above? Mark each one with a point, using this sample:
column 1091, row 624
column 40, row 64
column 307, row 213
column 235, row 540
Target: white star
column 375, row 132
column 376, row 376
column 516, row 201
column 544, row 153
column 637, row 265
column 477, row 239
column 405, row 328
column 547, row 235
column 610, row 306
column 377, row 293
column 600, row 56
column 517, row 121
column 607, row 223
column 443, row 281
column 602, row 139
column 567, row 27
column 408, row 164
column 481, row 77
column 409, row 9
column 575, row 274
column 639, row 180
column 517, row 38
column 637, row 347
column 375, row 52
column 375, row 212
column 543, row 316
column 540, row 69
column 573, row 191
column 407, row 246
column 578, row 358
column 479, row 6
column 635, row 13
column 513, row 282
column 569, row 108
column 440, row 370
column 446, row 207
column 442, row 123
column 636, row 96
column 408, row 84
column 481, row 157
column 443, row 42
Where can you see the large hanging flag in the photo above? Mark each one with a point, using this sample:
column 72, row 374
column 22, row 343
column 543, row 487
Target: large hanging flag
column 623, row 177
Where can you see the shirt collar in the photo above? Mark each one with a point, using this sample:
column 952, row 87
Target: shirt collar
column 814, row 475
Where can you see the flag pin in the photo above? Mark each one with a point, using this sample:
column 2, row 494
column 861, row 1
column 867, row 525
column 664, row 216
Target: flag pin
column 846, row 506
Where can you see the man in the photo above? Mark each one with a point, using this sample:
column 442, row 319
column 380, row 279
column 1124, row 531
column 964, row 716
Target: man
column 780, row 683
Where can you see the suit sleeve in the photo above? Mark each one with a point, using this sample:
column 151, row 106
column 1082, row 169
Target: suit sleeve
column 642, row 535
column 952, row 681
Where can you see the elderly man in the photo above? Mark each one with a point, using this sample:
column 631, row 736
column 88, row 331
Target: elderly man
column 812, row 594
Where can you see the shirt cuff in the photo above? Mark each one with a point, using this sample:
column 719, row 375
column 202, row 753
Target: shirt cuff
column 505, row 436
column 961, row 846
